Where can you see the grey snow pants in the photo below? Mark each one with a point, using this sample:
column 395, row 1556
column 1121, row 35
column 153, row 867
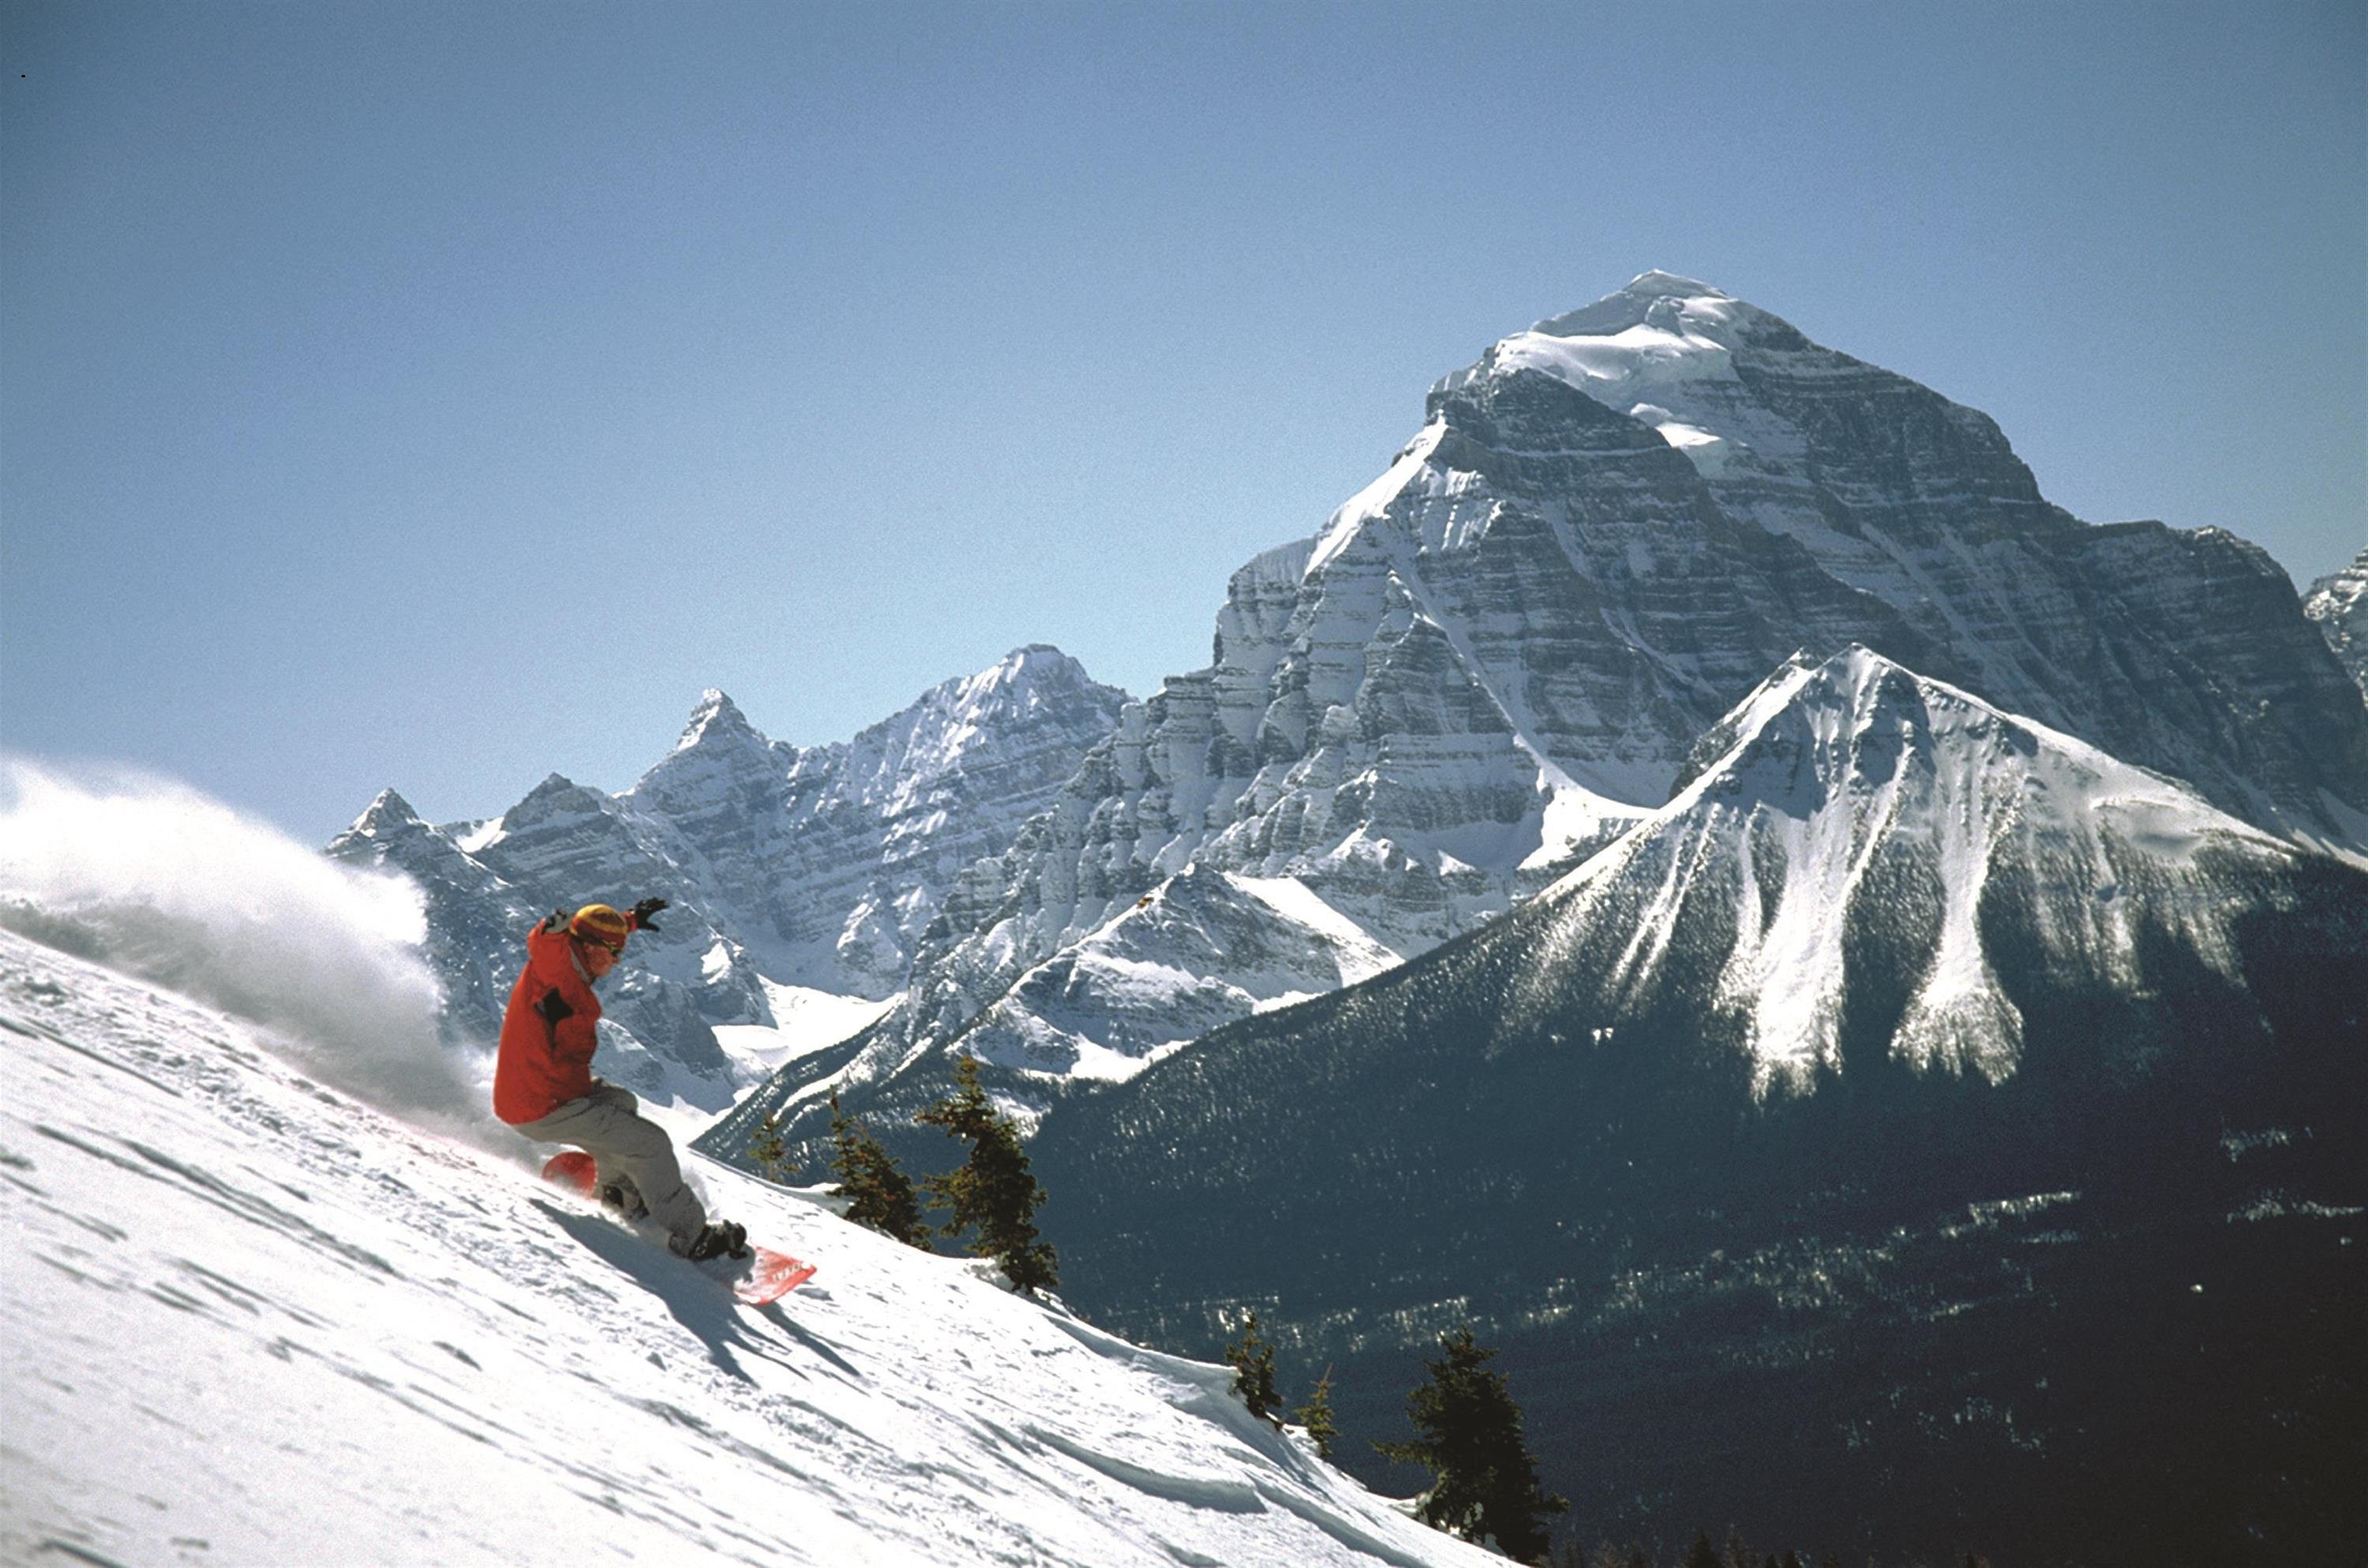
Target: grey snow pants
column 608, row 1125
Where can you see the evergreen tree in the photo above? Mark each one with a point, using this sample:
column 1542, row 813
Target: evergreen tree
column 1317, row 1416
column 879, row 1193
column 768, row 1153
column 995, row 1193
column 1252, row 1360
column 1485, row 1480
column 1704, row 1555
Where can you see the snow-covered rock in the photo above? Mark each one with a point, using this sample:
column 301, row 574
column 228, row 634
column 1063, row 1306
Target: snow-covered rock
column 2177, row 650
column 1498, row 656
column 2338, row 603
column 1853, row 816
column 833, row 860
column 250, row 1320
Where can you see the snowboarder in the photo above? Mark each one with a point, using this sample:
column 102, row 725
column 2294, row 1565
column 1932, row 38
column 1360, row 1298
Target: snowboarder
column 544, row 1083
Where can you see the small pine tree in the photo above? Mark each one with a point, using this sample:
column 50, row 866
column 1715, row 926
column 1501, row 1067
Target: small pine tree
column 1315, row 1415
column 1485, row 1480
column 1252, row 1360
column 766, row 1151
column 879, row 1193
column 993, row 1193
column 1704, row 1555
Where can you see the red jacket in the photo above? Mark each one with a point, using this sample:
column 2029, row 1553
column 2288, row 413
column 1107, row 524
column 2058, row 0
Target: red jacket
column 548, row 1034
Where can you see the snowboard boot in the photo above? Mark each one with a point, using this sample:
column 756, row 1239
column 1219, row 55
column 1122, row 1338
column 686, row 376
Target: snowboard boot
column 714, row 1240
column 624, row 1199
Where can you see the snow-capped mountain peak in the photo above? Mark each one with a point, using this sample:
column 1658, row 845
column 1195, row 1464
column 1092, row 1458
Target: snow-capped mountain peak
column 387, row 813
column 1858, row 698
column 722, row 780
column 1659, row 328
column 716, row 717
column 1662, row 351
column 1852, row 797
column 953, row 721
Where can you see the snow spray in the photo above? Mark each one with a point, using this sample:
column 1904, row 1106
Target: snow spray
column 147, row 876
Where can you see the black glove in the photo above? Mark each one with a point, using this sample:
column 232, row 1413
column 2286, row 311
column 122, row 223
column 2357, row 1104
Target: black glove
column 643, row 910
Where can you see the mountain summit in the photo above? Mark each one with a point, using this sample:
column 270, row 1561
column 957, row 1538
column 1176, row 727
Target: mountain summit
column 1499, row 655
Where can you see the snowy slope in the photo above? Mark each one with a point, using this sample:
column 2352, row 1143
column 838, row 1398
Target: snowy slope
column 250, row 1320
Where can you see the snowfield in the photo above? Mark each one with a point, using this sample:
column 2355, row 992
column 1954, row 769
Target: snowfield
column 250, row 1320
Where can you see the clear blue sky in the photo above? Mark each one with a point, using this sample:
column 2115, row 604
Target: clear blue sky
column 443, row 395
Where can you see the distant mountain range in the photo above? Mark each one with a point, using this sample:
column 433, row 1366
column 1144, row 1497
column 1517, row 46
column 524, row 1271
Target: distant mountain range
column 791, row 870
column 1497, row 657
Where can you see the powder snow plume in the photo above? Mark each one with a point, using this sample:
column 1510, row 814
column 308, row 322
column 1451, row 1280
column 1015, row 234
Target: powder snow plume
column 150, row 876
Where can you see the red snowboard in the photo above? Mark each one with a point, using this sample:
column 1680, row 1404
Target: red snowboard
column 763, row 1276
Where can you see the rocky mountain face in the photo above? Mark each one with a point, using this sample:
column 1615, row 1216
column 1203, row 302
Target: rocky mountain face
column 2339, row 605
column 834, row 859
column 1863, row 1146
column 1498, row 656
column 785, row 867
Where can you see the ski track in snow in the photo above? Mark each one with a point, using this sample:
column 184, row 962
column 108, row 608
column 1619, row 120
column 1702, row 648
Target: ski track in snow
column 250, row 1320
